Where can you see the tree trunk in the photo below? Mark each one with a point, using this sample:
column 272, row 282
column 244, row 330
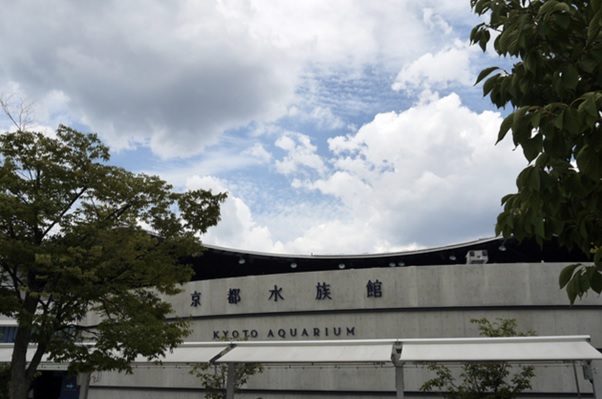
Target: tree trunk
column 19, row 381
column 22, row 373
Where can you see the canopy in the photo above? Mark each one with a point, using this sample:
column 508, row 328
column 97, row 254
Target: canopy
column 509, row 349
column 309, row 352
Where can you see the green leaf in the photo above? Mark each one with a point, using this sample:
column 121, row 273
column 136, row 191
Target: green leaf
column 507, row 41
column 573, row 288
column 547, row 7
column 589, row 161
column 532, row 147
column 596, row 282
column 588, row 108
column 490, row 84
column 570, row 77
column 558, row 120
column 485, row 36
column 566, row 274
column 505, row 127
column 484, row 73
column 593, row 29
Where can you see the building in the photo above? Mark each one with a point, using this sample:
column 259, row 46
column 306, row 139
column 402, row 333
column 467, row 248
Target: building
column 350, row 299
column 240, row 295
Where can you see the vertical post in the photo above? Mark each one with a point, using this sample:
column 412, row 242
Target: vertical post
column 595, row 376
column 231, row 381
column 83, row 380
column 396, row 359
column 399, row 383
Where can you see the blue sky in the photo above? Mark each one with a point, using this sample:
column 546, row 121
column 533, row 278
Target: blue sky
column 336, row 127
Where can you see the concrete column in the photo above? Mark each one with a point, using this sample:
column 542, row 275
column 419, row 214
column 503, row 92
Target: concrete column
column 396, row 359
column 83, row 381
column 399, row 383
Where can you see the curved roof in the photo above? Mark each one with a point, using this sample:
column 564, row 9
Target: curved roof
column 217, row 262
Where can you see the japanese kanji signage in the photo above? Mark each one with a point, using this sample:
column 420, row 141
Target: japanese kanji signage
column 374, row 289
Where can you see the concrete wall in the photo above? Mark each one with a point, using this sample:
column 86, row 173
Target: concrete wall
column 414, row 302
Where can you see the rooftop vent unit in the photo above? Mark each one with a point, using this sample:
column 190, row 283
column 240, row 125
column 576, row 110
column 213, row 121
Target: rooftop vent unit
column 477, row 257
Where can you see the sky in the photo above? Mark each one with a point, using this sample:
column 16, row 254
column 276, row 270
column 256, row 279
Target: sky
column 335, row 127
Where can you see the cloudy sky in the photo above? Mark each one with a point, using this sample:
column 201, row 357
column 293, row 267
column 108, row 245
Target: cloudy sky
column 341, row 126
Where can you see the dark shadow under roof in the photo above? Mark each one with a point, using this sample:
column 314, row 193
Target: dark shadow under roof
column 219, row 262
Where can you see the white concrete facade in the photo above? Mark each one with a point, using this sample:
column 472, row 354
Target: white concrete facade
column 395, row 302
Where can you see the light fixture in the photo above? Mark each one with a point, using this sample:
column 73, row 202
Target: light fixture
column 293, row 265
column 341, row 265
column 401, row 263
column 392, row 264
column 502, row 247
column 477, row 257
column 452, row 257
column 241, row 261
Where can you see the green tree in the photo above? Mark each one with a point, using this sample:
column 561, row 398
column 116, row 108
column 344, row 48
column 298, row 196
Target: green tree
column 555, row 91
column 483, row 380
column 213, row 377
column 78, row 236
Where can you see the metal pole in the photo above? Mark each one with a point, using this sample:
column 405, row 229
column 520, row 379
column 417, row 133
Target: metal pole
column 231, row 381
column 576, row 381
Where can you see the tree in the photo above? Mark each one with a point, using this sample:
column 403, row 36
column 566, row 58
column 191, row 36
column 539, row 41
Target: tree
column 483, row 380
column 555, row 91
column 78, row 236
column 213, row 377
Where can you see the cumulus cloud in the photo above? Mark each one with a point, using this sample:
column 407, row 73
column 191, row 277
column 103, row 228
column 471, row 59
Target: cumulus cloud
column 237, row 227
column 426, row 176
column 301, row 157
column 415, row 178
column 450, row 66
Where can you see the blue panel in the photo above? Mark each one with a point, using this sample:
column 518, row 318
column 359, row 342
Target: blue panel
column 8, row 334
column 69, row 388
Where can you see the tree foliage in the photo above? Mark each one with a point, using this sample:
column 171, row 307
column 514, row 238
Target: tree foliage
column 483, row 380
column 213, row 377
column 75, row 238
column 555, row 91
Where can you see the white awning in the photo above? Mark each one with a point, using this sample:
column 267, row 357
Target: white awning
column 309, row 352
column 511, row 349
column 189, row 352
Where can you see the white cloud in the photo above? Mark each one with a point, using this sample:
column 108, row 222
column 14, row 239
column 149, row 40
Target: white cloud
column 447, row 67
column 300, row 155
column 415, row 178
column 237, row 227
column 177, row 76
column 427, row 176
column 256, row 88
column 258, row 151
